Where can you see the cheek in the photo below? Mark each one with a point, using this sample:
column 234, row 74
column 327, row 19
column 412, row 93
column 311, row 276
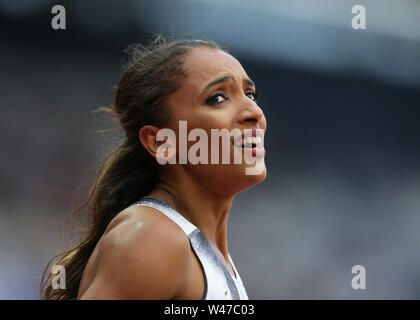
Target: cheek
column 219, row 118
column 208, row 121
column 203, row 117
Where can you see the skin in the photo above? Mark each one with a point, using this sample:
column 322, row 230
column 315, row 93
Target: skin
column 202, row 193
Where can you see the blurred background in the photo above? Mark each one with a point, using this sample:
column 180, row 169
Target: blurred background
column 343, row 111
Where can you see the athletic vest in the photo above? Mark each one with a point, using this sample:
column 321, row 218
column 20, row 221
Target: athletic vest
column 219, row 283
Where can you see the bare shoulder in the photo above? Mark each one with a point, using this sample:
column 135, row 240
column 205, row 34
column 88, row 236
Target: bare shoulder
column 143, row 254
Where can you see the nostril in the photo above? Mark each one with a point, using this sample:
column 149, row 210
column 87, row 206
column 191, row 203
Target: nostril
column 251, row 120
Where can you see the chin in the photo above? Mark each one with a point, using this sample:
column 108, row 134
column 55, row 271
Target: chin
column 232, row 178
column 258, row 177
column 247, row 181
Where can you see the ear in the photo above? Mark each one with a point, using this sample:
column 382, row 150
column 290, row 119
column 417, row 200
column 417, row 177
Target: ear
column 160, row 143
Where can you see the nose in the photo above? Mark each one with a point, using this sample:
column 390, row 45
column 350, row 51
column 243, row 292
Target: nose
column 251, row 114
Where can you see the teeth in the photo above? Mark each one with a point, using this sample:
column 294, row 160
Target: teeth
column 248, row 142
column 252, row 140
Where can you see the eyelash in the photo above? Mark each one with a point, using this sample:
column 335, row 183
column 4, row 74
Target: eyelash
column 221, row 93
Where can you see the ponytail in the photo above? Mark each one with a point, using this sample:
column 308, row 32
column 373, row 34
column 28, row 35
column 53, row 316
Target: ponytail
column 127, row 174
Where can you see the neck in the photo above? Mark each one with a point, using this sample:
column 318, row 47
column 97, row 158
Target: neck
column 195, row 200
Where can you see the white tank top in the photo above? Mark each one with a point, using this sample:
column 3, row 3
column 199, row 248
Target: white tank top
column 219, row 283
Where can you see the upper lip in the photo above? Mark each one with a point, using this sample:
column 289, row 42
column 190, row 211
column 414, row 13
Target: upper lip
column 249, row 132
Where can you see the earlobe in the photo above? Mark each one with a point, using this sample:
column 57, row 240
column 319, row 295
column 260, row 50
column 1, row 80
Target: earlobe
column 147, row 137
column 166, row 152
column 160, row 143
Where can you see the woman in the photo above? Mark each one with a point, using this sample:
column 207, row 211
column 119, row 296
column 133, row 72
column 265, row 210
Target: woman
column 160, row 231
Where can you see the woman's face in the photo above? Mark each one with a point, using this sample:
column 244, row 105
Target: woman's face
column 218, row 94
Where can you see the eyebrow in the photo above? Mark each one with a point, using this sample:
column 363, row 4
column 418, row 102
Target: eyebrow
column 227, row 78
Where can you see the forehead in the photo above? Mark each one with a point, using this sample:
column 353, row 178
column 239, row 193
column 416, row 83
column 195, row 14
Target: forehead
column 204, row 64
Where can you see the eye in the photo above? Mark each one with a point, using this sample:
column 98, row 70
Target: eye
column 216, row 98
column 252, row 95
